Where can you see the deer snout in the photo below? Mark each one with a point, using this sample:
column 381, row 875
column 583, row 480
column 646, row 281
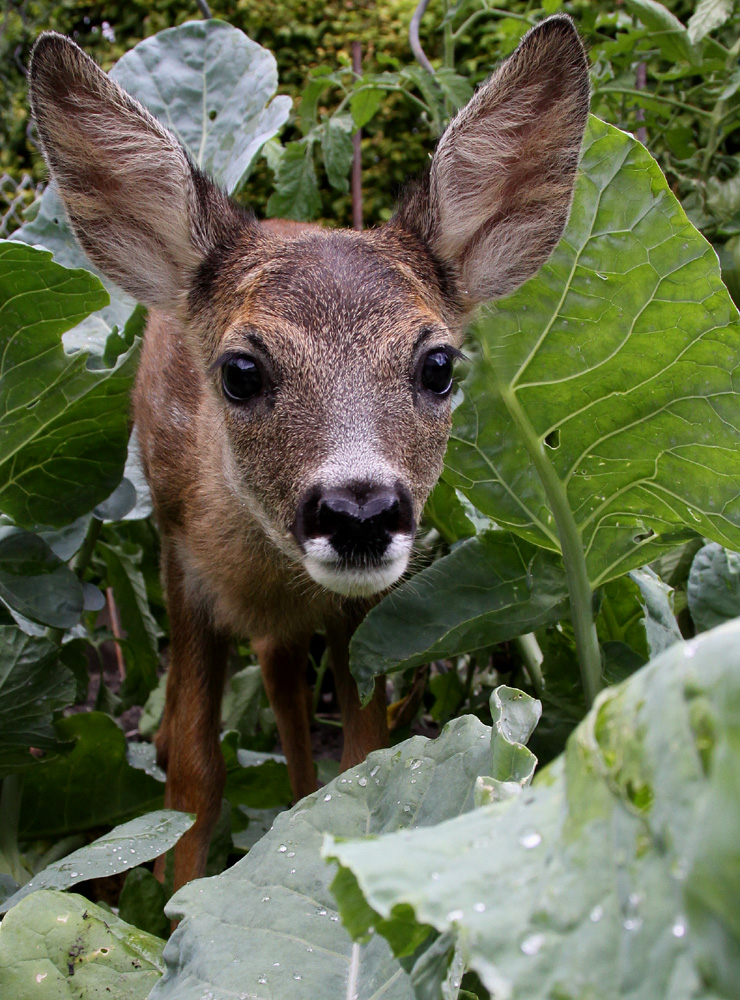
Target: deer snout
column 356, row 538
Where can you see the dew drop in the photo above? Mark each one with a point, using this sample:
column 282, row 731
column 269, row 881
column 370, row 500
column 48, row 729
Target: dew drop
column 596, row 914
column 290, row 854
column 632, row 924
column 74, row 874
column 322, row 912
column 40, row 976
column 435, row 876
column 530, row 840
column 532, row 944
column 327, row 797
column 679, row 928
column 454, row 915
column 375, row 770
column 262, row 979
column 265, row 899
column 362, row 782
column 309, row 948
column 297, row 975
column 479, row 907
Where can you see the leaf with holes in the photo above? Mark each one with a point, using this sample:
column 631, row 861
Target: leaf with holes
column 612, row 377
column 60, row 946
column 614, row 874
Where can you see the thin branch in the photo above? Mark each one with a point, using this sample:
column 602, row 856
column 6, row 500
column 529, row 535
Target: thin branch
column 416, row 48
column 204, row 9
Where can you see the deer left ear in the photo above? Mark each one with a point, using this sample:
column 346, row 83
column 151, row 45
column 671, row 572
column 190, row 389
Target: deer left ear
column 499, row 190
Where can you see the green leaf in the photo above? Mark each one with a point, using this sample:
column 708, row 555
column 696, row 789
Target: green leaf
column 33, row 685
column 666, row 32
column 35, row 582
column 709, row 15
column 714, row 587
column 296, row 194
column 615, row 874
column 446, row 513
column 114, row 791
column 613, row 369
column 490, row 588
column 255, row 780
column 515, row 716
column 310, row 98
column 127, row 846
column 59, row 946
column 210, row 84
column 336, row 147
column 141, row 645
column 63, row 425
column 364, row 103
column 273, row 909
column 142, row 901
column 457, row 89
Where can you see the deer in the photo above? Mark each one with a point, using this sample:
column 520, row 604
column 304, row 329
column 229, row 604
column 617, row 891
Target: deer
column 293, row 396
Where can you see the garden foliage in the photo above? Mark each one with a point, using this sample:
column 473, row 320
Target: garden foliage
column 582, row 535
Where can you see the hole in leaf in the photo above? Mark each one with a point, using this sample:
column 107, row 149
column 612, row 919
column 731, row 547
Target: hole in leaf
column 212, row 115
column 552, row 440
column 644, row 535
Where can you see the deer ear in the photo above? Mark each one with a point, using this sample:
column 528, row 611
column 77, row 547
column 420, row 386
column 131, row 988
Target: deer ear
column 142, row 213
column 499, row 190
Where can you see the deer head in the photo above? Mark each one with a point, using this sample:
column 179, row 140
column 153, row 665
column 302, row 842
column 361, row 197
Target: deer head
column 323, row 358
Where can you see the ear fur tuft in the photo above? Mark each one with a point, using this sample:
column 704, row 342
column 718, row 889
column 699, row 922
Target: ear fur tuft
column 137, row 206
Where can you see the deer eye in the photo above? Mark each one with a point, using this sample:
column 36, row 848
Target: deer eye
column 436, row 372
column 241, row 378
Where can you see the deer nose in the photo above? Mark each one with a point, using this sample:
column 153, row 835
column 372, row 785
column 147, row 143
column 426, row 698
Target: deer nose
column 358, row 520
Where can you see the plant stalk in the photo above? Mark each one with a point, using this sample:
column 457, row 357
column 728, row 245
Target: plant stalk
column 574, row 558
column 11, row 792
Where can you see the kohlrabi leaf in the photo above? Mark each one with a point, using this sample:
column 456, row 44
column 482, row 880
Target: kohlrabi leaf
column 33, row 685
column 63, row 422
column 714, row 586
column 35, row 582
column 488, row 589
column 212, row 86
column 606, row 394
column 273, row 911
column 114, row 791
column 615, row 874
column 128, row 845
column 60, row 946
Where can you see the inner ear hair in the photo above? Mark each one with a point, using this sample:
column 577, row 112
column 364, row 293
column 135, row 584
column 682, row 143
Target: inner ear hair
column 498, row 194
column 137, row 206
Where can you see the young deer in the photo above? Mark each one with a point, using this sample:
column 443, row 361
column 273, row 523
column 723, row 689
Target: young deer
column 293, row 401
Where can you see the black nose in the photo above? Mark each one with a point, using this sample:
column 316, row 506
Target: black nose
column 359, row 520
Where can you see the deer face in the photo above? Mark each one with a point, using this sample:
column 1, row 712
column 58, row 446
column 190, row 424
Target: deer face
column 332, row 379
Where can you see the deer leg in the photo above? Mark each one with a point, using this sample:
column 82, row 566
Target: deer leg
column 283, row 669
column 365, row 729
column 188, row 739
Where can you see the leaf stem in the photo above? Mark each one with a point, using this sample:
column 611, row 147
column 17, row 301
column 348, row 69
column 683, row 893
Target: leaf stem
column 571, row 545
column 531, row 654
column 650, row 96
column 11, row 792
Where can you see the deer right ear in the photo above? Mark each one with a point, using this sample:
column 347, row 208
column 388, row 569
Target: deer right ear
column 142, row 213
column 499, row 190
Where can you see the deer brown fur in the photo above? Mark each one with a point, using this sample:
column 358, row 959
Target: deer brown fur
column 290, row 507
